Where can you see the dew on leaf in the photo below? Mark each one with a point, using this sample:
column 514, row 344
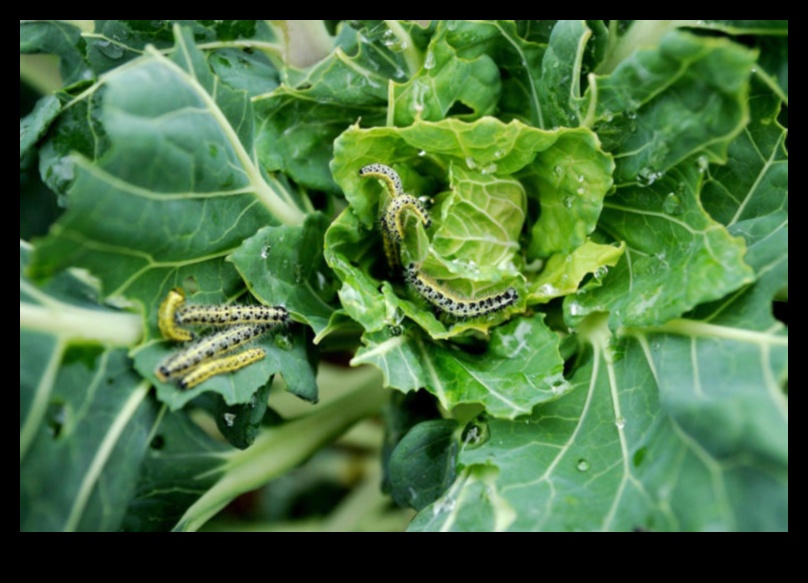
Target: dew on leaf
column 703, row 163
column 548, row 290
column 647, row 176
column 265, row 251
column 558, row 170
column 568, row 200
column 672, row 204
column 601, row 272
column 429, row 62
column 620, row 422
column 476, row 432
column 229, row 419
column 471, row 163
column 583, row 465
column 283, row 342
column 109, row 49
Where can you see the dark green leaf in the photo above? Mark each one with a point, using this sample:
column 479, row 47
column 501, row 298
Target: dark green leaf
column 84, row 413
column 422, row 465
column 57, row 38
column 660, row 106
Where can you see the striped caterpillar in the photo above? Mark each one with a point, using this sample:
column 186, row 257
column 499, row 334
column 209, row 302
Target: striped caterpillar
column 221, row 365
column 454, row 305
column 174, row 315
column 187, row 359
column 392, row 220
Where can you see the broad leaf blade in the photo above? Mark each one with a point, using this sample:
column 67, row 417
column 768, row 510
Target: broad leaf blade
column 622, row 452
column 519, row 368
column 84, row 413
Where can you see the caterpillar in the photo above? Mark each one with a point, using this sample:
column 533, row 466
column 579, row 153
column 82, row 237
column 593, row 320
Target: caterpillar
column 221, row 365
column 392, row 220
column 390, row 177
column 166, row 316
column 393, row 225
column 202, row 315
column 454, row 305
column 219, row 342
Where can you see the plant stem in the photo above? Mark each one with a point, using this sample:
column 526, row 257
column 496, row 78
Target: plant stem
column 279, row 449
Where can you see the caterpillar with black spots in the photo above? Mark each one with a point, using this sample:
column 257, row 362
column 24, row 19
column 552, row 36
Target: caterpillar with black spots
column 454, row 305
column 220, row 342
column 174, row 315
column 392, row 220
column 219, row 366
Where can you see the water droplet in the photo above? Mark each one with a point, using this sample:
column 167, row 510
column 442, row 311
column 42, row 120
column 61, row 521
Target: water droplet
column 471, row 163
column 422, row 153
column 392, row 42
column 568, row 200
column 581, row 191
column 499, row 153
column 265, row 251
column 631, row 114
column 607, row 115
column 583, row 465
column 229, row 419
column 283, row 342
column 580, row 178
column 489, row 169
column 429, row 62
column 672, row 204
column 647, row 176
column 558, row 170
column 110, row 50
column 395, row 330
column 476, row 432
column 601, row 272
column 548, row 290
column 620, row 422
column 300, row 273
column 576, row 309
column 703, row 163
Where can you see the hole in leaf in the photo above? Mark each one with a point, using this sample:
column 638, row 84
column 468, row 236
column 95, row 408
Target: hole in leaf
column 158, row 442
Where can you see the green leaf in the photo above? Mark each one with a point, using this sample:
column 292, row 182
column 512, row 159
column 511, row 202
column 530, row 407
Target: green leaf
column 285, row 265
column 36, row 123
column 563, row 274
column 663, row 105
column 133, row 228
column 559, row 87
column 676, row 257
column 519, row 367
column 182, row 463
column 675, row 430
column 422, row 465
column 57, row 38
column 456, row 75
column 84, row 413
column 477, row 226
column 402, row 412
column 240, row 423
column 299, row 121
